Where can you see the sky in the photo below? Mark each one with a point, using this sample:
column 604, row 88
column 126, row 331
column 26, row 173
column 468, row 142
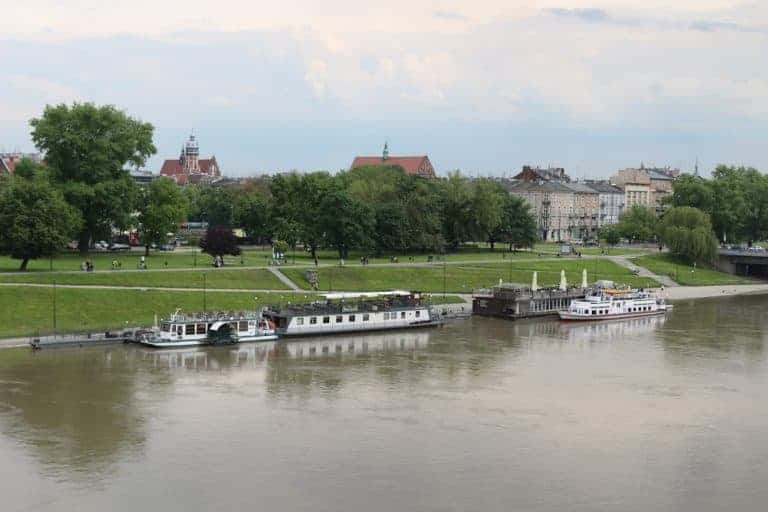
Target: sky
column 484, row 86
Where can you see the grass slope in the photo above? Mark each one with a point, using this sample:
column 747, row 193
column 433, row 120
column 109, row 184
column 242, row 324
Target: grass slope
column 26, row 311
column 681, row 273
column 214, row 278
column 464, row 278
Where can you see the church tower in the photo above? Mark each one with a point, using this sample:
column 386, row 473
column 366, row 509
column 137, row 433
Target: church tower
column 191, row 154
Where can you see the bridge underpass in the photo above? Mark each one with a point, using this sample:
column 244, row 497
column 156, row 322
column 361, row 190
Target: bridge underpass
column 743, row 263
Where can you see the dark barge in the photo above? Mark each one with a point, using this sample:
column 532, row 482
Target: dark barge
column 513, row 301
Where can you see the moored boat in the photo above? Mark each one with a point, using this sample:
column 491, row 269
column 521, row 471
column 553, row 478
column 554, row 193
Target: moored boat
column 353, row 312
column 190, row 330
column 605, row 304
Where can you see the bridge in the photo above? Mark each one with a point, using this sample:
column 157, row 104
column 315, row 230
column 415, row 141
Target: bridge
column 743, row 262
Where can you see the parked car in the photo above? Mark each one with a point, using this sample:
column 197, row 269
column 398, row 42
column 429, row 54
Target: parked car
column 101, row 246
column 592, row 242
column 119, row 248
column 167, row 247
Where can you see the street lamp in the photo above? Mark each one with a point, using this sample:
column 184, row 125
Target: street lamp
column 205, row 305
column 54, row 307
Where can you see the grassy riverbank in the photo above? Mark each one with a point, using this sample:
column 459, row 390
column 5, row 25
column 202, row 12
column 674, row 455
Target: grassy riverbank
column 684, row 274
column 29, row 310
column 464, row 278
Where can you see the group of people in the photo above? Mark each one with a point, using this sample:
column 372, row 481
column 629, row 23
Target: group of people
column 117, row 265
column 363, row 260
column 86, row 266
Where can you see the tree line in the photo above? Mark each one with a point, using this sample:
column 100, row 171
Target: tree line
column 83, row 192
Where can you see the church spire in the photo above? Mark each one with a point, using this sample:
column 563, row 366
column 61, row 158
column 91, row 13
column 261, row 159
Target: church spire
column 385, row 153
column 696, row 168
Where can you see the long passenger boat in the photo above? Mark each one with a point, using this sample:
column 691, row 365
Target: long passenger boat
column 189, row 330
column 353, row 312
column 607, row 304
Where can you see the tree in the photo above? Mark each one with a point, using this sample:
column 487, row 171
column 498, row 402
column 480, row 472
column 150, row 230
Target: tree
column 517, row 227
column 487, row 208
column 161, row 207
column 638, row 224
column 87, row 149
column 688, row 233
column 252, row 214
column 36, row 220
column 346, row 222
column 611, row 234
column 457, row 210
column 218, row 241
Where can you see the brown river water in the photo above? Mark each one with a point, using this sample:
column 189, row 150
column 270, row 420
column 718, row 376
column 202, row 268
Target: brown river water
column 654, row 414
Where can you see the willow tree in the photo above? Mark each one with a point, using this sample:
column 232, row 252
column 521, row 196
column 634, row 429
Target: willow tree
column 687, row 231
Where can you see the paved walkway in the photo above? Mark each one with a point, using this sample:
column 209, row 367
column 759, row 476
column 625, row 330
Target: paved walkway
column 287, row 282
column 642, row 271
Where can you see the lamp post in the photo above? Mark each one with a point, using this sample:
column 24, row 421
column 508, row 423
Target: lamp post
column 54, row 307
column 444, row 282
column 205, row 305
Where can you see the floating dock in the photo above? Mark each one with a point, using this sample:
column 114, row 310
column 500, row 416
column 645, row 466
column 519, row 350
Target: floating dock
column 515, row 301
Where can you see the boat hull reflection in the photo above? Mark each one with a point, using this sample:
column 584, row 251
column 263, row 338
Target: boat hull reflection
column 337, row 347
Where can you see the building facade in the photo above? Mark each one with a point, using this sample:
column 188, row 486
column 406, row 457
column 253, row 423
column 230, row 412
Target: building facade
column 584, row 216
column 610, row 200
column 413, row 165
column 648, row 187
column 189, row 167
column 552, row 206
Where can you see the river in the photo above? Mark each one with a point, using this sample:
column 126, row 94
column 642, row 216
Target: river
column 654, row 414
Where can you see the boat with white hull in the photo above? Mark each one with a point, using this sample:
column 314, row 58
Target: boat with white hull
column 354, row 312
column 615, row 304
column 223, row 328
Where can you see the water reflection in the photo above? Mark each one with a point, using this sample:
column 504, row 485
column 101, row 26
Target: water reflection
column 75, row 410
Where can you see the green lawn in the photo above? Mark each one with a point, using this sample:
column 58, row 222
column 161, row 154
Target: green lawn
column 214, row 278
column 27, row 311
column 255, row 256
column 463, row 278
column 551, row 247
column 681, row 273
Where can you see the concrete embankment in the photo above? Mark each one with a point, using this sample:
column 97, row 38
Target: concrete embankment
column 703, row 292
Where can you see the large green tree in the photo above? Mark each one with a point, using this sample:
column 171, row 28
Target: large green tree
column 87, row 149
column 638, row 224
column 517, row 227
column 687, row 231
column 487, row 209
column 161, row 207
column 36, row 220
column 457, row 210
column 347, row 223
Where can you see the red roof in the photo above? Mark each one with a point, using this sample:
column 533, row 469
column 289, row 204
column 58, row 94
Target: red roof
column 173, row 169
column 419, row 165
column 8, row 165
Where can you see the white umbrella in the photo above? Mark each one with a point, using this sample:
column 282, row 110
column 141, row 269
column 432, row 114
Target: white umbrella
column 535, row 283
column 563, row 282
column 155, row 324
column 584, row 282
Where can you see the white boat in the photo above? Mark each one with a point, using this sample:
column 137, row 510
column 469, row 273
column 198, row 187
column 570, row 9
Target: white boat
column 607, row 304
column 353, row 312
column 191, row 330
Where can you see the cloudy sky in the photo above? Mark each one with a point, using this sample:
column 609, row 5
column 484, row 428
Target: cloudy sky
column 482, row 85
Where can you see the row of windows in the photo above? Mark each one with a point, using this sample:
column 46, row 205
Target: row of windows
column 190, row 329
column 351, row 318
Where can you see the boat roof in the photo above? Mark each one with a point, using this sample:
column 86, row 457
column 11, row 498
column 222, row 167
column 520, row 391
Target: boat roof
column 354, row 295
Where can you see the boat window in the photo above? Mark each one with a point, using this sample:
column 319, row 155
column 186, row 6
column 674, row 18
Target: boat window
column 418, row 314
column 339, row 319
column 165, row 327
column 313, row 320
column 189, row 328
column 386, row 316
column 326, row 319
column 243, row 326
column 300, row 320
column 351, row 318
column 366, row 317
column 402, row 314
column 200, row 328
column 594, row 312
column 179, row 330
